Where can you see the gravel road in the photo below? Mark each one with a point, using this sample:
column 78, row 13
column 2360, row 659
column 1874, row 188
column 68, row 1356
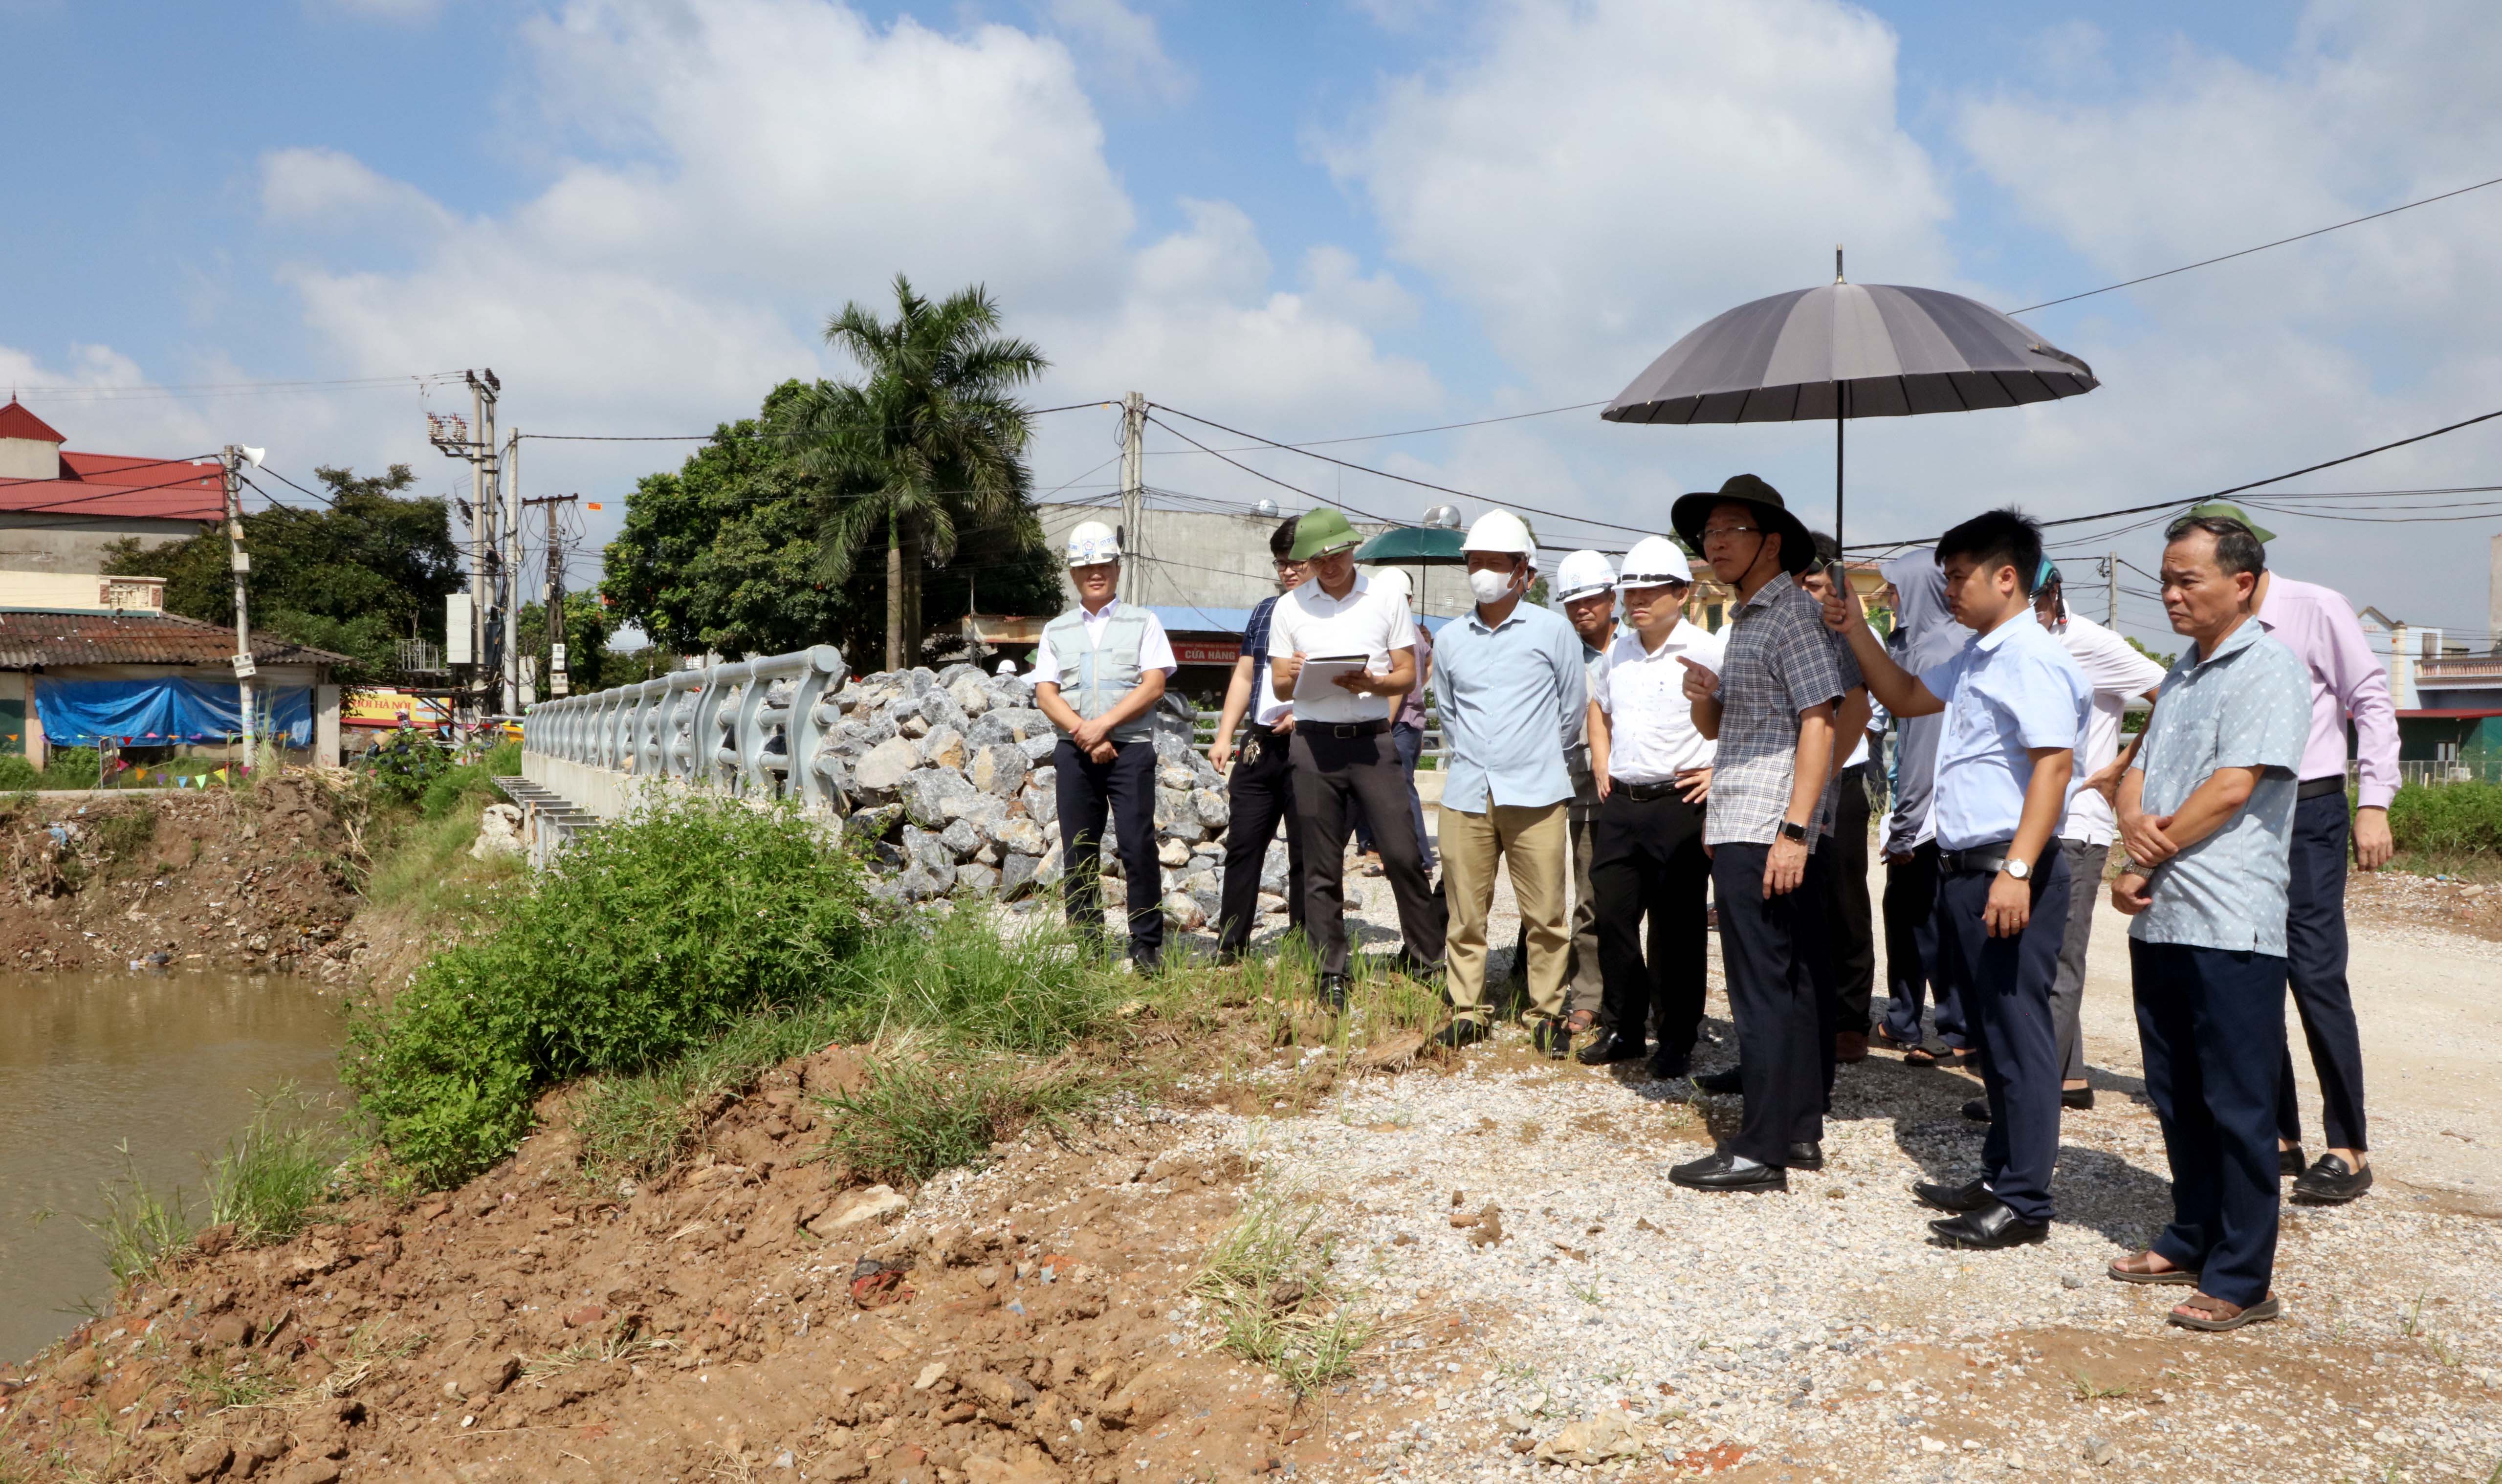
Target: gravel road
column 1633, row 1328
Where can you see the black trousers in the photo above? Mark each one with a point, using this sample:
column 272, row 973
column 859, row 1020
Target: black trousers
column 2211, row 1025
column 1772, row 998
column 1850, row 924
column 1125, row 788
column 2315, row 952
column 1647, row 860
column 1817, row 948
column 1914, row 971
column 2005, row 984
column 1331, row 775
column 1260, row 794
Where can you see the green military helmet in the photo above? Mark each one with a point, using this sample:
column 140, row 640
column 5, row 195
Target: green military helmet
column 1321, row 531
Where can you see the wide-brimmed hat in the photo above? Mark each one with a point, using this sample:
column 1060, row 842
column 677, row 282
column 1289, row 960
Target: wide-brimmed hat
column 1797, row 544
column 1323, row 530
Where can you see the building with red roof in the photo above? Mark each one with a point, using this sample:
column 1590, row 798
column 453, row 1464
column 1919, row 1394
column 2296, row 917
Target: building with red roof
column 60, row 509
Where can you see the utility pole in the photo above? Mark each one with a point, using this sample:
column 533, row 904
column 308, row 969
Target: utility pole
column 244, row 668
column 552, row 595
column 475, row 441
column 2111, row 592
column 1133, row 493
column 511, row 471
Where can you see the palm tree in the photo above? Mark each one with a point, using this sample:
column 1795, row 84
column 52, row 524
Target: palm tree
column 930, row 441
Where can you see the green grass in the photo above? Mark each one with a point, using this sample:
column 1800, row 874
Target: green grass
column 139, row 1225
column 917, row 1117
column 273, row 1173
column 1267, row 1282
column 2451, row 820
column 652, row 938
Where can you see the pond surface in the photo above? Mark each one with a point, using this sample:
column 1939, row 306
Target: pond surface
column 168, row 1063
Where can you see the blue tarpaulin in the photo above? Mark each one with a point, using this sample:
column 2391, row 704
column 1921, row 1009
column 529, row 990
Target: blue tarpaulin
column 84, row 713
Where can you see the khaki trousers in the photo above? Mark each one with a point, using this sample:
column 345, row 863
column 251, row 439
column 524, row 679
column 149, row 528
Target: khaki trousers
column 1530, row 843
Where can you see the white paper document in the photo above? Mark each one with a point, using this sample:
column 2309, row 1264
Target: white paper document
column 1319, row 676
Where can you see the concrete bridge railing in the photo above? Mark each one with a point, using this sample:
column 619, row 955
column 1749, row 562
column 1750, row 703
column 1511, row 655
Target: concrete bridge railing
column 759, row 727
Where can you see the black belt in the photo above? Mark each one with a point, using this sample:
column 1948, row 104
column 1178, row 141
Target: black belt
column 1988, row 860
column 1645, row 792
column 1341, row 728
column 2320, row 788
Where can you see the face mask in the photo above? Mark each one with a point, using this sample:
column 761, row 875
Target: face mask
column 1490, row 587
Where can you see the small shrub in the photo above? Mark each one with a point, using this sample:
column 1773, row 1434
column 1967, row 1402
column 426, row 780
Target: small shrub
column 2448, row 820
column 916, row 1118
column 138, row 1224
column 273, row 1172
column 652, row 936
column 17, row 773
column 403, row 763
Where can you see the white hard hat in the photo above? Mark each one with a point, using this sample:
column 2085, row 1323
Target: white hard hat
column 1006, row 667
column 1090, row 542
column 1393, row 580
column 1583, row 574
column 1654, row 560
column 1500, row 531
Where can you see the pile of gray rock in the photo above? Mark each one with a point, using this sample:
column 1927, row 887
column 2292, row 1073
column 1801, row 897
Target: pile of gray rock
column 950, row 782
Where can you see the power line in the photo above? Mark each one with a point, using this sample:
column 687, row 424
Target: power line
column 2261, row 248
column 1035, row 412
column 2176, row 503
column 1409, row 432
column 94, row 393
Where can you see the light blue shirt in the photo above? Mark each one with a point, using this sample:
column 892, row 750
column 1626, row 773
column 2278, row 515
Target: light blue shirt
column 1512, row 699
column 2248, row 706
column 2006, row 691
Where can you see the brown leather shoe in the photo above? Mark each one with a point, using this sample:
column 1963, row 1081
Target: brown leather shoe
column 1849, row 1046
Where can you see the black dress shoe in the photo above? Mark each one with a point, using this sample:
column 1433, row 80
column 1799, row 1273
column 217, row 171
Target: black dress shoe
column 1462, row 1032
column 1552, row 1039
column 1607, row 1048
column 2331, row 1181
column 2290, row 1162
column 1668, row 1065
column 1806, row 1154
column 1976, row 1110
column 1988, row 1229
column 1715, row 1174
column 1725, row 1080
column 2076, row 1097
column 1972, row 1197
column 1333, row 993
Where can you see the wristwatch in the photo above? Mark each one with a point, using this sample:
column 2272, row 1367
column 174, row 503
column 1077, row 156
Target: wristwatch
column 1796, row 834
column 2022, row 870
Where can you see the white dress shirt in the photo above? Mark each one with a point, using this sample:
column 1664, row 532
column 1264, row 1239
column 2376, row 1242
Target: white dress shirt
column 1370, row 622
column 1650, row 723
column 2118, row 673
column 1155, row 651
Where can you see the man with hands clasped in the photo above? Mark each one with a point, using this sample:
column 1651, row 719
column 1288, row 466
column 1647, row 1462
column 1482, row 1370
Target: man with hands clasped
column 2206, row 811
column 1099, row 671
column 2015, row 707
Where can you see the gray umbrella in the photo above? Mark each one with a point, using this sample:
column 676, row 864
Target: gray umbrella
column 1849, row 351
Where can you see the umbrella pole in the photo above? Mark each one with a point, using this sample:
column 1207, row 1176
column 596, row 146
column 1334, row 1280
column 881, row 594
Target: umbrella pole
column 1841, row 419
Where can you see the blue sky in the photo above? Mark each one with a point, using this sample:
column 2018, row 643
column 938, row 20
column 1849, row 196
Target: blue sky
column 1310, row 221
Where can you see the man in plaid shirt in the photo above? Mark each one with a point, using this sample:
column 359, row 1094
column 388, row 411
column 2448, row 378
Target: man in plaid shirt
column 1772, row 710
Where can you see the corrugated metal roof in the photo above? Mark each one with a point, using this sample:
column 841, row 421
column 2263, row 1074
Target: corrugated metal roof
column 115, row 485
column 30, row 639
column 16, row 421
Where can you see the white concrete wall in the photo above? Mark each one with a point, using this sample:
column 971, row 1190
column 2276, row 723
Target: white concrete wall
column 604, row 791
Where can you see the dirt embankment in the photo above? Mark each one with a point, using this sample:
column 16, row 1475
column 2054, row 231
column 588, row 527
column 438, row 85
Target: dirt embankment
column 258, row 880
column 755, row 1312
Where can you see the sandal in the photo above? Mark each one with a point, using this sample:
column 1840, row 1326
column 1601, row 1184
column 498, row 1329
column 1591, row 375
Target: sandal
column 1920, row 1056
column 2206, row 1312
column 1579, row 1022
column 1883, row 1039
column 2140, row 1268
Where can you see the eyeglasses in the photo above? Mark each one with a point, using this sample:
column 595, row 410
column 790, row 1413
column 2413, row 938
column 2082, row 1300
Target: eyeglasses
column 1723, row 532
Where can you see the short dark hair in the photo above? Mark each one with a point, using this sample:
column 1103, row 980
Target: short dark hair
column 2237, row 549
column 1281, row 541
column 1826, row 548
column 1995, row 538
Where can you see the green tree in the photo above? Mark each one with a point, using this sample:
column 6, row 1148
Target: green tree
column 724, row 554
column 353, row 578
column 586, row 638
column 931, row 440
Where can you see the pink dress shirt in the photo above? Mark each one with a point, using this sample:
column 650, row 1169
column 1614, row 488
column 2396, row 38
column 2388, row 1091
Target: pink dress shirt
column 2347, row 680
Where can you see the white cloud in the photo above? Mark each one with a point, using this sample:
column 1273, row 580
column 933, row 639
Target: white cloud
column 1121, row 46
column 329, row 191
column 1594, row 176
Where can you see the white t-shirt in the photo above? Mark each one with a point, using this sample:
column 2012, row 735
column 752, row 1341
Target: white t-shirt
column 1650, row 723
column 1368, row 621
column 1155, row 651
column 2118, row 673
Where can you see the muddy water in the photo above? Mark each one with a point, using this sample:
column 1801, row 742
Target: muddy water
column 169, row 1062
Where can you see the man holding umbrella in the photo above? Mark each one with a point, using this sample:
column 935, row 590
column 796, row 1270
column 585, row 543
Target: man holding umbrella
column 1770, row 709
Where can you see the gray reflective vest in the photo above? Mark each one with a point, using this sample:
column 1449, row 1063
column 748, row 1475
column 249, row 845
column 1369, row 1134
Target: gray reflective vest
column 1093, row 679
